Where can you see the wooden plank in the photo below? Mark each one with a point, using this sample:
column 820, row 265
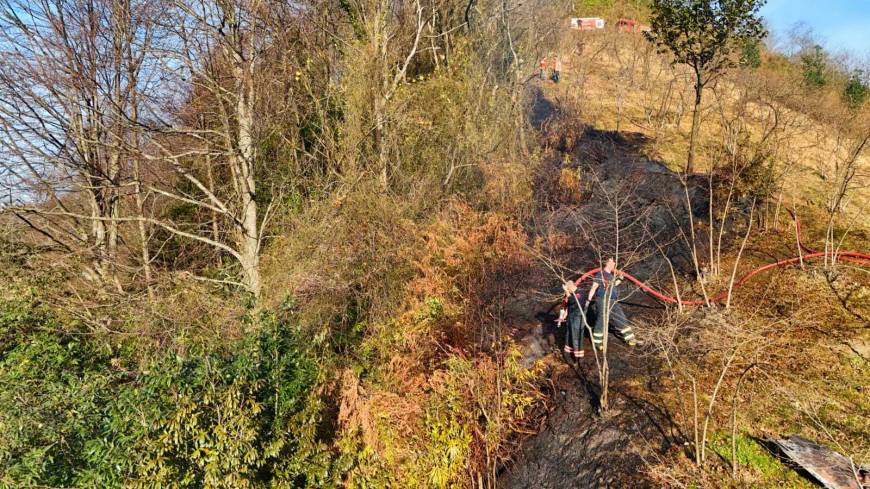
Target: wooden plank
column 831, row 469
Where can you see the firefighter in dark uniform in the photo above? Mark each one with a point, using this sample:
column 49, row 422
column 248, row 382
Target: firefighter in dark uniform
column 605, row 291
column 573, row 309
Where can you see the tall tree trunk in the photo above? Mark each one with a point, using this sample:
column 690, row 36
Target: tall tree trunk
column 249, row 239
column 98, row 229
column 113, row 215
column 215, row 224
column 144, row 252
column 381, row 146
column 696, row 123
column 117, row 134
column 381, row 97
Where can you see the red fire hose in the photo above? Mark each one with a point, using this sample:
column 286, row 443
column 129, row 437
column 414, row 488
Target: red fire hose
column 862, row 260
column 850, row 256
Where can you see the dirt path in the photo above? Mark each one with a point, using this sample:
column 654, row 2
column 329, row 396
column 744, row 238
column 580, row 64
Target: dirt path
column 578, row 447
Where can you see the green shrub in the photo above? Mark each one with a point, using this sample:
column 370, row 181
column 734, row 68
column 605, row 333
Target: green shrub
column 53, row 391
column 750, row 55
column 73, row 412
column 814, row 63
column 856, row 90
column 245, row 418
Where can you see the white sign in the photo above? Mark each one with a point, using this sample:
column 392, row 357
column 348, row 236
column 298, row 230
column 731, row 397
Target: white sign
column 587, row 23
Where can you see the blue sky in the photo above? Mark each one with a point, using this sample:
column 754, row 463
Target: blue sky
column 842, row 25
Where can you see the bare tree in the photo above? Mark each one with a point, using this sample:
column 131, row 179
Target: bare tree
column 701, row 358
column 842, row 174
column 84, row 130
column 388, row 42
column 69, row 83
column 747, row 170
column 219, row 46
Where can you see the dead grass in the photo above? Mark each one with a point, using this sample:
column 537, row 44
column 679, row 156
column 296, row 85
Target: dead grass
column 620, row 83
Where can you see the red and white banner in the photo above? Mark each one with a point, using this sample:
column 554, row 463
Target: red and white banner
column 587, row 23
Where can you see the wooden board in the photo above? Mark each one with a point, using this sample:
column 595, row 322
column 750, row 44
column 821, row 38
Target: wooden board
column 830, row 468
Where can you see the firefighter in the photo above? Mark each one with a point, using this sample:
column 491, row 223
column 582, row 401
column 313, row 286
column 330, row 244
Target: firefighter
column 557, row 69
column 605, row 291
column 574, row 311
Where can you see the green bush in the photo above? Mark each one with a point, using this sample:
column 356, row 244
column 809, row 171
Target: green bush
column 75, row 412
column 856, row 90
column 53, row 391
column 750, row 55
column 814, row 63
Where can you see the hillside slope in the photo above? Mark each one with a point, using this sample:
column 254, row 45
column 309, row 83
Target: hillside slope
column 603, row 131
column 334, row 260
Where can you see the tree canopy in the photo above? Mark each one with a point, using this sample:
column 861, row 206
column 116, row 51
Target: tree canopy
column 705, row 34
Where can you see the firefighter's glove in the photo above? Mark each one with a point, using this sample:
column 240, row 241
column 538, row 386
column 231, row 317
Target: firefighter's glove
column 563, row 314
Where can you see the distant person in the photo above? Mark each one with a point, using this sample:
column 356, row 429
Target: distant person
column 543, row 69
column 607, row 281
column 574, row 311
column 557, row 69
